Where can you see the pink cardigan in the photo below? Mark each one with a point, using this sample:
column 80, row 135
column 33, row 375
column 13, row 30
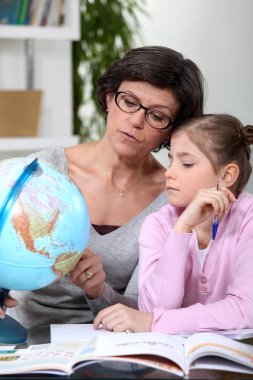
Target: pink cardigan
column 182, row 296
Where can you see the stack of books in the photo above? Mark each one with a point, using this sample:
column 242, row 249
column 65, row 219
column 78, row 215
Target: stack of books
column 32, row 12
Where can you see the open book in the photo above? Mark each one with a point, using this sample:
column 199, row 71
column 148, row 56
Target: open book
column 173, row 354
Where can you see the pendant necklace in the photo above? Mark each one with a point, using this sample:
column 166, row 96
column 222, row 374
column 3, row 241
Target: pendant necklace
column 101, row 169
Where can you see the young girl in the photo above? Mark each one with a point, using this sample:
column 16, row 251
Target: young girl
column 191, row 280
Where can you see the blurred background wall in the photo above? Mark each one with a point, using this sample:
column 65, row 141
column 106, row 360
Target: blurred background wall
column 218, row 36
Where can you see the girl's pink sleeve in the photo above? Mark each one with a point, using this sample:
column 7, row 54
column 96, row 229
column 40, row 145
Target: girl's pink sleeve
column 162, row 263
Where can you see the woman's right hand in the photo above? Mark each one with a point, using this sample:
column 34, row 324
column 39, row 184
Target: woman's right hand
column 89, row 274
column 7, row 302
column 207, row 203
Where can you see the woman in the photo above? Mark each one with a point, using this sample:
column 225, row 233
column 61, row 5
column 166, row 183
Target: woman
column 142, row 95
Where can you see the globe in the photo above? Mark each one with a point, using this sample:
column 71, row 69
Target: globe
column 44, row 224
column 46, row 228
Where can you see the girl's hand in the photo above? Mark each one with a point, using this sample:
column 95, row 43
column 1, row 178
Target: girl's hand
column 89, row 274
column 206, row 204
column 121, row 318
column 8, row 302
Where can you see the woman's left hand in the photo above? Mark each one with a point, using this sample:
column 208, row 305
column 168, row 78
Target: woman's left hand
column 7, row 302
column 119, row 318
column 89, row 274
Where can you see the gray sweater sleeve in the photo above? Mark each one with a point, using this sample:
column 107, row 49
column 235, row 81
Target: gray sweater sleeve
column 110, row 296
column 54, row 156
column 119, row 253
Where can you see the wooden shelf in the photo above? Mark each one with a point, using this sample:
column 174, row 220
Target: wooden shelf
column 38, row 33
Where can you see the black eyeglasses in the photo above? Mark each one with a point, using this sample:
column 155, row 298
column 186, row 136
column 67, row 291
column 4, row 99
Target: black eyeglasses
column 130, row 104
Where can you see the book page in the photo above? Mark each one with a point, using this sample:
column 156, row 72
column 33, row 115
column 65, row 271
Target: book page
column 219, row 364
column 46, row 357
column 240, row 334
column 155, row 344
column 210, row 344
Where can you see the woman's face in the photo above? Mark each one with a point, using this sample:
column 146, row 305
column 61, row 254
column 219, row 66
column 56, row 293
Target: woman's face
column 130, row 133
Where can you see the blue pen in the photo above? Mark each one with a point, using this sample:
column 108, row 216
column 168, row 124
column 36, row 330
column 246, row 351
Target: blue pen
column 215, row 220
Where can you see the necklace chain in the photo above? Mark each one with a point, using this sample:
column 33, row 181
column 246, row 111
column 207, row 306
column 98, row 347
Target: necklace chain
column 102, row 170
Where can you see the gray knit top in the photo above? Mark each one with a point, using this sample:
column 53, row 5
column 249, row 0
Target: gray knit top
column 64, row 302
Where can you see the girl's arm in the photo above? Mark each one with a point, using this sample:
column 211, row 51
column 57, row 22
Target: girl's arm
column 163, row 263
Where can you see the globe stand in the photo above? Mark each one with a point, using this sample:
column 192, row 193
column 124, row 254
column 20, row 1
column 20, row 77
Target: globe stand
column 11, row 331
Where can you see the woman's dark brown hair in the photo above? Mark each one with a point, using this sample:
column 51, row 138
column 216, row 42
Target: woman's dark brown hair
column 162, row 67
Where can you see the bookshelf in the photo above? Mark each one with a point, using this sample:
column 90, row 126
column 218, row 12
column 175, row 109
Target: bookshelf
column 52, row 47
column 70, row 30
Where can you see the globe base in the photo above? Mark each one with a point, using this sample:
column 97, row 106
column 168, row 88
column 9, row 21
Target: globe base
column 11, row 331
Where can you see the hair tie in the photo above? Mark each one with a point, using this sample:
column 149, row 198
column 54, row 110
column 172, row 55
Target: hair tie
column 248, row 133
column 245, row 141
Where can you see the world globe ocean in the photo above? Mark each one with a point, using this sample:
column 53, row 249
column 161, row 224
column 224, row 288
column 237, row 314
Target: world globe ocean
column 46, row 229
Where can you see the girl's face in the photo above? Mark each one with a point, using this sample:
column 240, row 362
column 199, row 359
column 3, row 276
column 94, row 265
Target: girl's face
column 129, row 133
column 189, row 170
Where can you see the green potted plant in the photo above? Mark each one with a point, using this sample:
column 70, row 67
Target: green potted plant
column 109, row 28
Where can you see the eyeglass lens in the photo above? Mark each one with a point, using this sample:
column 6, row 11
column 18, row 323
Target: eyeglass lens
column 130, row 104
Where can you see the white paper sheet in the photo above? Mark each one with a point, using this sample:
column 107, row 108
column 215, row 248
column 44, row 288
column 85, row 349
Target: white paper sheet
column 75, row 332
